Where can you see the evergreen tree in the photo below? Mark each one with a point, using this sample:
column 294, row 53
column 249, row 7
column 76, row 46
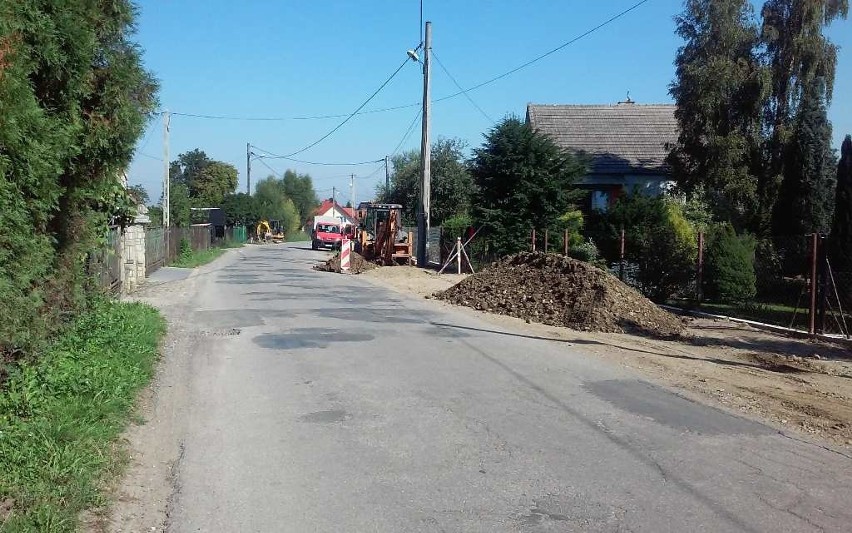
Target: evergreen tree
column 524, row 181
column 720, row 89
column 841, row 231
column 806, row 199
column 802, row 62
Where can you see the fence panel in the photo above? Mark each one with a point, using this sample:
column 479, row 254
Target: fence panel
column 155, row 250
column 105, row 264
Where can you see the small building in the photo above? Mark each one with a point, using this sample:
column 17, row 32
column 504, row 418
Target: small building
column 626, row 143
column 330, row 208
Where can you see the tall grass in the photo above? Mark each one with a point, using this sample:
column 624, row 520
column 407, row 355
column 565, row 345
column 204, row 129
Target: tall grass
column 61, row 414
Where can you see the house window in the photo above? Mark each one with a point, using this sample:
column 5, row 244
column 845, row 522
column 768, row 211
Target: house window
column 600, row 201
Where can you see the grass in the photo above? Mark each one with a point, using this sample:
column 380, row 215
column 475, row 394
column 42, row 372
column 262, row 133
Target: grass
column 197, row 258
column 299, row 236
column 768, row 313
column 61, row 415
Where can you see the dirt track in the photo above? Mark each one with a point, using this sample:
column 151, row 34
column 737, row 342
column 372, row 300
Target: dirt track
column 790, row 383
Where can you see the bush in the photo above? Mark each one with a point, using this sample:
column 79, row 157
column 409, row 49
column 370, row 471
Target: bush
column 585, row 251
column 658, row 239
column 729, row 266
column 185, row 251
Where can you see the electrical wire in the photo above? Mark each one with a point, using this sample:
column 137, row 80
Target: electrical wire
column 302, row 117
column 347, row 119
column 407, row 132
column 466, row 95
column 275, row 156
column 548, row 53
column 441, row 99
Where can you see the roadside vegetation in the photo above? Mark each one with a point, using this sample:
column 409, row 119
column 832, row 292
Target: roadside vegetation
column 61, row 413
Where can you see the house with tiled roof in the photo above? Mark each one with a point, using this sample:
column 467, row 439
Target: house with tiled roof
column 330, row 208
column 626, row 144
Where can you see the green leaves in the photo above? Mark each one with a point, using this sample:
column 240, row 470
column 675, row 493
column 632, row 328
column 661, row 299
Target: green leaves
column 522, row 180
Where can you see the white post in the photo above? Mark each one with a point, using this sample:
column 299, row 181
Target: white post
column 458, row 254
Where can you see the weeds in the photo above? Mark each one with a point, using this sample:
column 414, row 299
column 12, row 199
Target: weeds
column 61, row 414
column 197, row 258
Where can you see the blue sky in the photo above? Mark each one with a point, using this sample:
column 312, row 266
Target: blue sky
column 274, row 58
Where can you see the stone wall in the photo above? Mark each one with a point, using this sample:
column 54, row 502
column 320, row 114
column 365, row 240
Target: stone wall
column 133, row 257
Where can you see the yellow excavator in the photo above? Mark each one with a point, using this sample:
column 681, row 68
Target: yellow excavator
column 269, row 231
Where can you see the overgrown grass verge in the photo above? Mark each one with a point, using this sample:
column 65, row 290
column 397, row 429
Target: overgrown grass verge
column 61, row 414
column 197, row 258
column 299, row 236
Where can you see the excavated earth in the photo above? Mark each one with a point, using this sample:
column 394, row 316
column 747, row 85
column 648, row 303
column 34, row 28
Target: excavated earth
column 357, row 264
column 560, row 291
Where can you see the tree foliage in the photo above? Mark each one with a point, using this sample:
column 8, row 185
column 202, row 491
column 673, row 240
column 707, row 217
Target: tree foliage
column 240, row 209
column 806, row 198
column 720, row 89
column 300, row 189
column 841, row 231
column 452, row 184
column 802, row 61
column 74, row 98
column 729, row 266
column 658, row 239
column 207, row 181
column 523, row 180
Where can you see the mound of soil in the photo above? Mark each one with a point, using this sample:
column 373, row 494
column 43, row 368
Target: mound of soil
column 560, row 291
column 357, row 264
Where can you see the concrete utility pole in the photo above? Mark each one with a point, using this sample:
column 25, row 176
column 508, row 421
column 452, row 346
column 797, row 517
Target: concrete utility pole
column 248, row 168
column 425, row 156
column 166, row 180
column 387, row 177
column 352, row 190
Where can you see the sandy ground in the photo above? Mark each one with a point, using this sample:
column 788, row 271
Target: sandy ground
column 789, row 383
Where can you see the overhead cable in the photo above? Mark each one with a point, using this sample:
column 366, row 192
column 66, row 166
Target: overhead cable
column 469, row 99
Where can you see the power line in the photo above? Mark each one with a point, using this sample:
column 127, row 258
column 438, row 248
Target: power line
column 347, row 119
column 407, row 132
column 466, row 95
column 275, row 156
column 542, row 56
column 441, row 99
column 296, row 117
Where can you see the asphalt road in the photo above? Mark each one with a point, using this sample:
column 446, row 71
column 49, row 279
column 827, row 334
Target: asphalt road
column 319, row 402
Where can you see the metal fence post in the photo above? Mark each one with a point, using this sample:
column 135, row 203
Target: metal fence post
column 621, row 258
column 813, row 285
column 565, row 242
column 545, row 240
column 533, row 239
column 699, row 288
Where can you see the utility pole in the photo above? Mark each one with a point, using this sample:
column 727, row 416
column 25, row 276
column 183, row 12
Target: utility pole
column 352, row 190
column 387, row 177
column 166, row 207
column 425, row 156
column 248, row 168
column 333, row 197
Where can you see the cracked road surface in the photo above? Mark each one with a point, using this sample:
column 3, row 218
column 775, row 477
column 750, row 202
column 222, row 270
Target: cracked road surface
column 295, row 400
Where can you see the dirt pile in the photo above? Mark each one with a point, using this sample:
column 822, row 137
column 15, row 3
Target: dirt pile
column 560, row 291
column 357, row 264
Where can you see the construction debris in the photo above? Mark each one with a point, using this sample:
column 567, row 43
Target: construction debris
column 560, row 291
column 357, row 264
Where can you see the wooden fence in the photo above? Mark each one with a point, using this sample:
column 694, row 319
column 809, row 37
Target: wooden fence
column 156, row 254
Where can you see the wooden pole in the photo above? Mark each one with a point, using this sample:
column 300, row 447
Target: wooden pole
column 621, row 258
column 545, row 240
column 533, row 239
column 565, row 243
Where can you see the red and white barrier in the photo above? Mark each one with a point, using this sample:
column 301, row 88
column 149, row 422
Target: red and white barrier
column 345, row 252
